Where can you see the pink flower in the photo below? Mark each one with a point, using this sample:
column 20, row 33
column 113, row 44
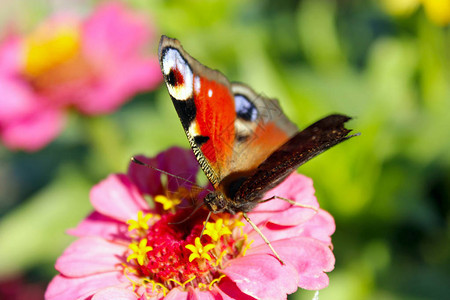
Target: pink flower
column 131, row 249
column 93, row 65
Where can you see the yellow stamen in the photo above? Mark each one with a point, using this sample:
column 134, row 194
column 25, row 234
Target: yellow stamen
column 189, row 280
column 233, row 223
column 164, row 289
column 247, row 247
column 139, row 251
column 238, row 223
column 166, row 202
column 215, row 280
column 128, row 269
column 219, row 260
column 156, row 284
column 184, row 283
column 146, row 280
column 49, row 46
column 141, row 223
column 216, row 230
column 245, row 236
column 176, row 281
column 199, row 251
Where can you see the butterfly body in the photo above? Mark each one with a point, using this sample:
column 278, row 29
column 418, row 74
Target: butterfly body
column 243, row 141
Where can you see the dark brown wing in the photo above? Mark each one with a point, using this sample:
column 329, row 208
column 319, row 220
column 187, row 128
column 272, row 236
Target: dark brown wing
column 303, row 146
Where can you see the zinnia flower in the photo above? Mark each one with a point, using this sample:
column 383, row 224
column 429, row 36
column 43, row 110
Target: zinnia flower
column 93, row 65
column 438, row 11
column 129, row 248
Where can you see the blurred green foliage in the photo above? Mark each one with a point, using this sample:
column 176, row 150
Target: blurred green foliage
column 388, row 189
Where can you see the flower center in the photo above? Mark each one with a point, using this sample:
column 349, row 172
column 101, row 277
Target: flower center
column 53, row 56
column 169, row 254
column 48, row 47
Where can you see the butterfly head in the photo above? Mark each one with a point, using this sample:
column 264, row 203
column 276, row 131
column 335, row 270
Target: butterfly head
column 216, row 202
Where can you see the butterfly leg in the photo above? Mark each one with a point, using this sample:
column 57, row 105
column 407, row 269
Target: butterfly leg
column 204, row 225
column 263, row 237
column 292, row 202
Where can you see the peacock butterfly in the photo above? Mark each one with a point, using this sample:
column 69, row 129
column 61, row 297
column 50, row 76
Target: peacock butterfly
column 243, row 141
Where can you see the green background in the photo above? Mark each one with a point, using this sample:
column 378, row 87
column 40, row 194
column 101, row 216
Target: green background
column 388, row 189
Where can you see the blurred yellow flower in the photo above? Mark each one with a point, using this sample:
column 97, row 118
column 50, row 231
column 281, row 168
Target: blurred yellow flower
column 438, row 11
column 400, row 7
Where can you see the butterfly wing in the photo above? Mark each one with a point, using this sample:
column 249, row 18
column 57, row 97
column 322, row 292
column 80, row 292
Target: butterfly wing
column 303, row 146
column 222, row 121
column 260, row 128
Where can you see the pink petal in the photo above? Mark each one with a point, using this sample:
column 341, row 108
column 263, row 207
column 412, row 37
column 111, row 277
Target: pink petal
column 274, row 232
column 98, row 225
column 320, row 227
column 308, row 256
column 147, row 292
column 229, row 290
column 296, row 187
column 117, row 197
column 11, row 55
column 66, row 288
column 146, row 179
column 262, row 276
column 87, row 256
column 112, row 40
column 177, row 161
column 17, row 99
column 115, row 293
column 204, row 295
column 112, row 88
column 33, row 131
column 181, row 162
column 114, row 31
column 176, row 294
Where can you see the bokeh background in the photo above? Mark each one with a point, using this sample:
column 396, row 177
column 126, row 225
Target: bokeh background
column 387, row 63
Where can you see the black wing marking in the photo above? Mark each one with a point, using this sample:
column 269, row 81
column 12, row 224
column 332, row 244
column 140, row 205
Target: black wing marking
column 306, row 144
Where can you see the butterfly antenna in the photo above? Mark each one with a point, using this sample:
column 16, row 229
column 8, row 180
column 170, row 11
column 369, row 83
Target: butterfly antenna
column 204, row 226
column 137, row 161
column 190, row 215
column 263, row 237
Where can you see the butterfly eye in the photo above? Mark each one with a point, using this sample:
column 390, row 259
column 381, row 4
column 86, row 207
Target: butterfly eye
column 175, row 78
column 245, row 109
column 178, row 74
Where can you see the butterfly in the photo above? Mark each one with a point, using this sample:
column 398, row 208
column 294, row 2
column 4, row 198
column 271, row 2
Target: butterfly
column 243, row 141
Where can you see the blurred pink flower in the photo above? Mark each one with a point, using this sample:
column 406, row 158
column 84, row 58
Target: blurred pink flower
column 130, row 249
column 93, row 65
